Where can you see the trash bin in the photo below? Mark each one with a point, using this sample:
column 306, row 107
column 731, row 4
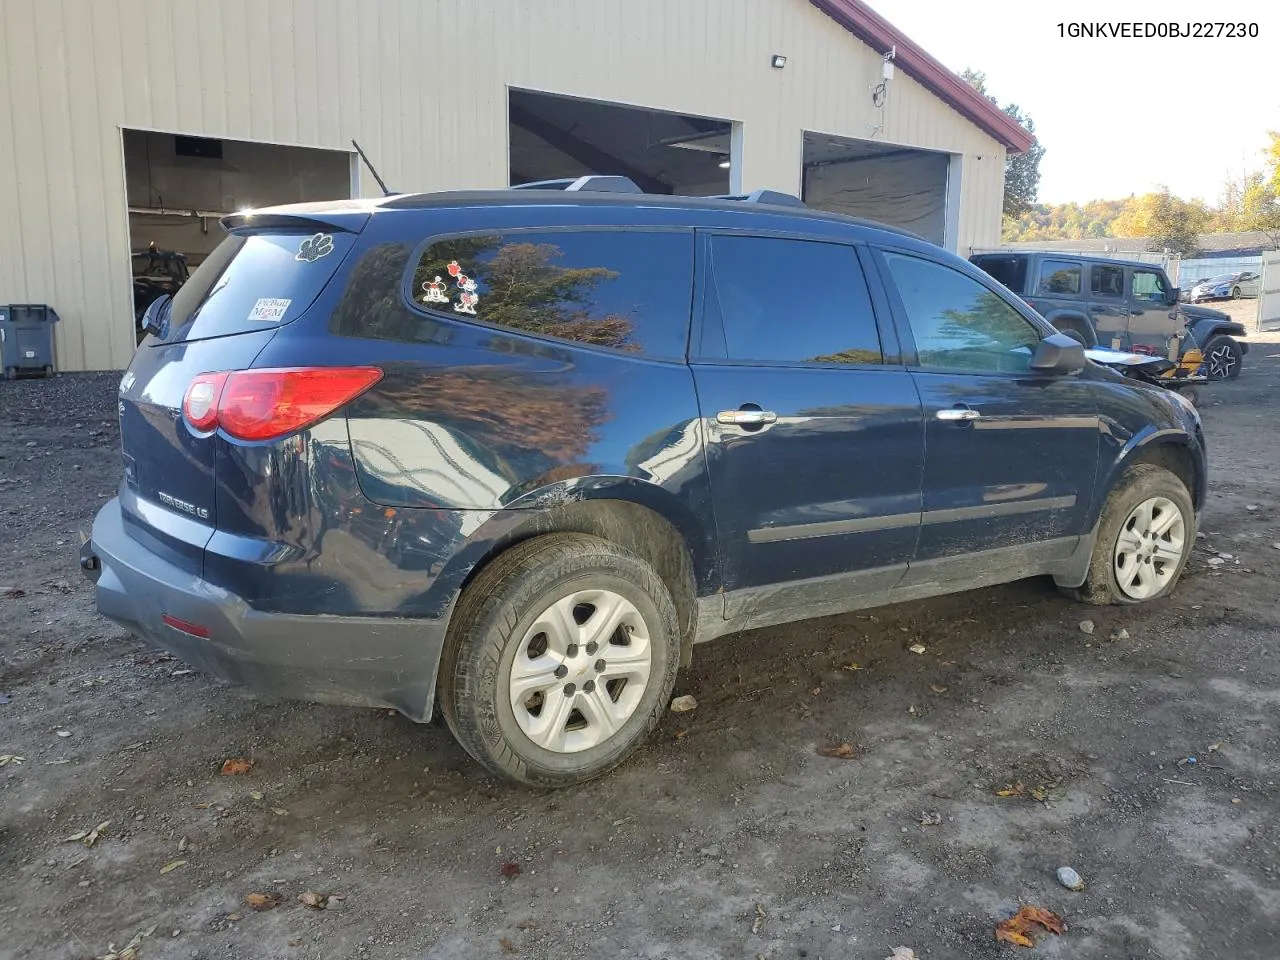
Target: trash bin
column 26, row 339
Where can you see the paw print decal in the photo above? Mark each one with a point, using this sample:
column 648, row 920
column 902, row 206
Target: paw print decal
column 315, row 247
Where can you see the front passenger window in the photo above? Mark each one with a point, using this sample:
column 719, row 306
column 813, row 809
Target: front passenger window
column 959, row 324
column 1149, row 286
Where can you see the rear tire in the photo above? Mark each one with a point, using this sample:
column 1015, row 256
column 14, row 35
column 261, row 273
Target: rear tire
column 1223, row 358
column 537, row 689
column 1235, row 293
column 1078, row 335
column 1145, row 536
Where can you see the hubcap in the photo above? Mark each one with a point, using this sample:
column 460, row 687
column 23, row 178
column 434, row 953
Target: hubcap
column 581, row 671
column 1221, row 362
column 1149, row 548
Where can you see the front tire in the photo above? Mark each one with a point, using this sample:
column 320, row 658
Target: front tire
column 560, row 660
column 1145, row 535
column 1235, row 293
column 1223, row 358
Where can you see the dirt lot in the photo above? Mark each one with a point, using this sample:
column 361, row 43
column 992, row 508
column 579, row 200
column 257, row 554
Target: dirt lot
column 728, row 836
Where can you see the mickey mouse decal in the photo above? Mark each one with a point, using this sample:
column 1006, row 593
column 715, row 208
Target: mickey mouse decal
column 468, row 298
column 314, row 247
column 435, row 291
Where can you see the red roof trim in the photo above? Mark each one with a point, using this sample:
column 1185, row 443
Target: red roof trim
column 879, row 34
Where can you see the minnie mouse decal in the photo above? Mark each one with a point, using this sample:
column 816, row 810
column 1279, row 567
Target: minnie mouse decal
column 468, row 298
column 435, row 292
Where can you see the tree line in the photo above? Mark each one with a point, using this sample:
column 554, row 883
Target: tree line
column 1250, row 203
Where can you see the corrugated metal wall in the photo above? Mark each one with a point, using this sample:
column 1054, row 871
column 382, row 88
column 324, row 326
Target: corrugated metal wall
column 421, row 83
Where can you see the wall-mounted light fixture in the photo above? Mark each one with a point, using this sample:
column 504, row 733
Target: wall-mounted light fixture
column 778, row 61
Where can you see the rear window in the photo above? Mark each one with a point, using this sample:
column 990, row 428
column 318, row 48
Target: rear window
column 1009, row 271
column 1059, row 277
column 255, row 281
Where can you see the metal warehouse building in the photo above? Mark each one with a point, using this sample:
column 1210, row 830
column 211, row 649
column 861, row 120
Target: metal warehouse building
column 126, row 123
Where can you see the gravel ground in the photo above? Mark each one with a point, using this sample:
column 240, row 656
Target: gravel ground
column 727, row 836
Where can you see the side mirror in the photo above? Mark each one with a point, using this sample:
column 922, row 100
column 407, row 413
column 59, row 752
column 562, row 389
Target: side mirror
column 151, row 316
column 1175, row 296
column 1058, row 354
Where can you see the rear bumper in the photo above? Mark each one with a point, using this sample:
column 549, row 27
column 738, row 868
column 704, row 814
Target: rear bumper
column 358, row 661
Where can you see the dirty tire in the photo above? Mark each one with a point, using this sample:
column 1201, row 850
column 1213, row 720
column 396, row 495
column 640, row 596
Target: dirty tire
column 489, row 628
column 1223, row 357
column 1140, row 483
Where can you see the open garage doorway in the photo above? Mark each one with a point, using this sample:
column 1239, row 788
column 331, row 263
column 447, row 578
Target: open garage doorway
column 178, row 186
column 553, row 137
column 893, row 185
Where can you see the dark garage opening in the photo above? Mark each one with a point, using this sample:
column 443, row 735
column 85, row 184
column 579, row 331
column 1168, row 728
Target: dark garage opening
column 178, row 186
column 897, row 186
column 553, row 137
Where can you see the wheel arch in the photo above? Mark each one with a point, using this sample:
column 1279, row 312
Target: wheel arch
column 1074, row 321
column 637, row 516
column 1173, row 450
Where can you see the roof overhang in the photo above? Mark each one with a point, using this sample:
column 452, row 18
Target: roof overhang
column 882, row 36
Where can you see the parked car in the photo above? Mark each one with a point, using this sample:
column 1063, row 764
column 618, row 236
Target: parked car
column 1227, row 286
column 1115, row 303
column 518, row 451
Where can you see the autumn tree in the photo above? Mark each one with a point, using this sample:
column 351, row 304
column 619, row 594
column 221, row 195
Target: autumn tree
column 1168, row 222
column 1021, row 170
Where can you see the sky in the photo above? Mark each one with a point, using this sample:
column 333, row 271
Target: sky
column 1117, row 115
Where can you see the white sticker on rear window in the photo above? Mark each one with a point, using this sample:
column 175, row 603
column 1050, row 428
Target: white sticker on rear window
column 269, row 310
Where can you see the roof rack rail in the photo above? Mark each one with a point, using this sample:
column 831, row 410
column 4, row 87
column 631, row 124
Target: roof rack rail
column 775, row 197
column 595, row 183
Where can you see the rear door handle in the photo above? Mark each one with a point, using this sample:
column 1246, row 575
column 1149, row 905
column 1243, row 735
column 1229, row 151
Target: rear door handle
column 746, row 418
column 957, row 415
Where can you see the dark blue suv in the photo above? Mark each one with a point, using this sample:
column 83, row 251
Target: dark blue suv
column 519, row 451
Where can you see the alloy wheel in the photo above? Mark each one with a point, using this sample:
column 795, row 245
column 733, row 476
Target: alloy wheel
column 1222, row 360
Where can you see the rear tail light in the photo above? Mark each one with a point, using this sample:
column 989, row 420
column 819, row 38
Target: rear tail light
column 268, row 404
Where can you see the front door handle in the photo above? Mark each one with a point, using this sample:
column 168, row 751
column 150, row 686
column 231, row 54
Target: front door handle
column 751, row 417
column 957, row 415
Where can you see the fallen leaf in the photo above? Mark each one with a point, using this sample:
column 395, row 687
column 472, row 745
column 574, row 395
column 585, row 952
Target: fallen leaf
column 930, row 819
column 182, row 845
column 760, row 918
column 236, row 766
column 181, row 673
column 263, row 901
column 130, row 950
column 837, row 751
column 233, row 917
column 256, row 794
column 681, row 734
column 64, row 733
column 172, row 866
column 15, row 593
column 684, row 704
column 507, row 945
column 510, row 870
column 937, row 688
column 313, row 899
column 1012, row 790
column 6, row 758
column 917, row 648
column 295, row 943
column 90, row 836
column 816, row 691
column 1019, row 928
column 280, row 811
column 852, row 666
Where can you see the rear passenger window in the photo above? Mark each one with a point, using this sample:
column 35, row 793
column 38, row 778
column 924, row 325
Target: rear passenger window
column 625, row 290
column 797, row 301
column 1107, row 282
column 1059, row 276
